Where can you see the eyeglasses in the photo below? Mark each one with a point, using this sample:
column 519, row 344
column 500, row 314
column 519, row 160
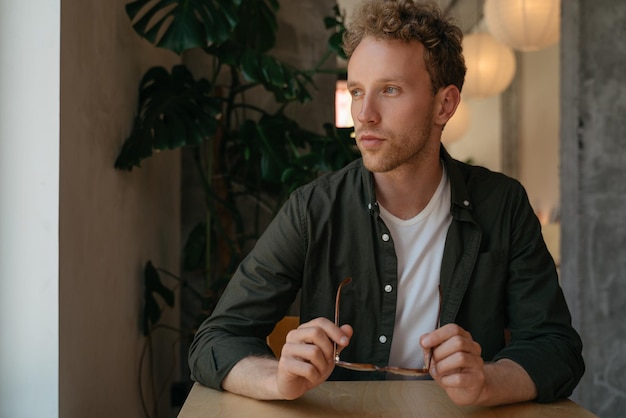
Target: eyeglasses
column 362, row 367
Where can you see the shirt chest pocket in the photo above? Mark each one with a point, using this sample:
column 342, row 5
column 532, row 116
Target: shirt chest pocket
column 490, row 266
column 487, row 284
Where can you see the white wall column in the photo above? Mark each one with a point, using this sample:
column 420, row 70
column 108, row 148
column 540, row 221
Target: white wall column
column 29, row 208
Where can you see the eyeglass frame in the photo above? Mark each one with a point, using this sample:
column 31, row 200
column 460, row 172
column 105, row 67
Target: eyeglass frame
column 366, row 367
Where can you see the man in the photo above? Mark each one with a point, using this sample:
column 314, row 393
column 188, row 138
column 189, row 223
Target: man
column 426, row 240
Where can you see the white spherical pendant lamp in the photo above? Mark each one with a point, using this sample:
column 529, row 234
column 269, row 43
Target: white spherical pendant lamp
column 490, row 65
column 524, row 25
column 457, row 125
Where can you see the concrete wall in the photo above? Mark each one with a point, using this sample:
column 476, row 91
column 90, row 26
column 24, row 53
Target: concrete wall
column 593, row 193
column 111, row 222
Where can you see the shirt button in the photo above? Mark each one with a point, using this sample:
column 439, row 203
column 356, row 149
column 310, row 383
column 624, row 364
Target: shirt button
column 385, row 237
column 388, row 288
column 382, row 339
column 466, row 203
column 369, row 206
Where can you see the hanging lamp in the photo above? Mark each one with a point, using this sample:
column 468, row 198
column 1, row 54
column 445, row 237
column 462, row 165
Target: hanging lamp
column 490, row 65
column 524, row 25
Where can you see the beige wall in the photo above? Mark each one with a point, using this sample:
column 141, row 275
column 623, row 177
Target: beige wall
column 538, row 138
column 302, row 42
column 538, row 120
column 482, row 141
column 539, row 129
column 111, row 222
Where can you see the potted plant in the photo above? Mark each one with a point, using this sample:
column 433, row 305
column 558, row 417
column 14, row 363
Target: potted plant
column 247, row 159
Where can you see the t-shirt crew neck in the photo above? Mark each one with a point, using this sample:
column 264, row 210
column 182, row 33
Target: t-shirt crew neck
column 419, row 244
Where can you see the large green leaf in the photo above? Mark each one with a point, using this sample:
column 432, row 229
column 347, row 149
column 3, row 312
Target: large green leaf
column 283, row 144
column 265, row 151
column 179, row 25
column 173, row 111
column 194, row 251
column 339, row 149
column 154, row 286
column 289, row 156
column 337, row 22
column 257, row 25
column 285, row 81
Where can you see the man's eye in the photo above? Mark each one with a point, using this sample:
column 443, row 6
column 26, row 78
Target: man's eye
column 391, row 90
column 356, row 93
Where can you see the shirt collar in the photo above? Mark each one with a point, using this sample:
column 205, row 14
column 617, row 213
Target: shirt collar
column 458, row 189
column 368, row 180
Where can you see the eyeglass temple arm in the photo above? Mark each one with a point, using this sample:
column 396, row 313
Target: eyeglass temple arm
column 430, row 352
column 337, row 298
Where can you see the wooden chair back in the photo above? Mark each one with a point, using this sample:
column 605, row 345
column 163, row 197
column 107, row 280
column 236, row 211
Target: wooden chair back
column 277, row 337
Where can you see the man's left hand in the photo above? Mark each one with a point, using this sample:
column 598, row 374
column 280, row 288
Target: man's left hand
column 459, row 369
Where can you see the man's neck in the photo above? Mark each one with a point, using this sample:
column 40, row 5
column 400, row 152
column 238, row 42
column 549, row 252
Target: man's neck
column 406, row 191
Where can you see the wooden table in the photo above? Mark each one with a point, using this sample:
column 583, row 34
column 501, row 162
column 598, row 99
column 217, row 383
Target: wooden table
column 365, row 399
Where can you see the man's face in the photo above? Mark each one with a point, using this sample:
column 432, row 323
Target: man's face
column 392, row 103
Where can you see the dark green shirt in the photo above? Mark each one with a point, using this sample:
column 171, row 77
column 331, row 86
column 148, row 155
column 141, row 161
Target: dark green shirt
column 496, row 275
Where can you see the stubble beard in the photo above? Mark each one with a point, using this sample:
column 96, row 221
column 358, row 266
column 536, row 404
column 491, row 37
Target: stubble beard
column 399, row 149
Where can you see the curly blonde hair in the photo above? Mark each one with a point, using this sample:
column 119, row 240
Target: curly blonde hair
column 408, row 20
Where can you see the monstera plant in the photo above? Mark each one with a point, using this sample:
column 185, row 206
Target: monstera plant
column 241, row 151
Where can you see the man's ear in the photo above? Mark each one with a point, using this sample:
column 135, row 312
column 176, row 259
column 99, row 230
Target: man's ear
column 448, row 100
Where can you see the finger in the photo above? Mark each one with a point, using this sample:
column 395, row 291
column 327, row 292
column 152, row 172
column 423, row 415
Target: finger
column 347, row 335
column 296, row 377
column 463, row 388
column 459, row 363
column 454, row 354
column 457, row 344
column 438, row 336
column 308, row 342
column 322, row 334
column 340, row 335
column 306, row 360
column 300, row 368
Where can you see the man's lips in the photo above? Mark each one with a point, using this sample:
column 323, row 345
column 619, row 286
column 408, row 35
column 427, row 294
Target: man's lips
column 370, row 141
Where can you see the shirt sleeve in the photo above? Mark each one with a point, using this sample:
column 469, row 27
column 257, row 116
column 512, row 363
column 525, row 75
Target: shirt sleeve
column 543, row 340
column 257, row 296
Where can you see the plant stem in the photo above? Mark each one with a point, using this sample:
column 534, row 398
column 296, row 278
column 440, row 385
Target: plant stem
column 209, row 218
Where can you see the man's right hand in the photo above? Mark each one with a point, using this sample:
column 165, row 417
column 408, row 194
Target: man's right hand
column 307, row 359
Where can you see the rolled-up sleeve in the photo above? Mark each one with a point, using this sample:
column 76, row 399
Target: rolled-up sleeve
column 543, row 340
column 258, row 295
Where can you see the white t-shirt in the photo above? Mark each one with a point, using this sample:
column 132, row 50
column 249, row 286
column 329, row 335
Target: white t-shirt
column 419, row 243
